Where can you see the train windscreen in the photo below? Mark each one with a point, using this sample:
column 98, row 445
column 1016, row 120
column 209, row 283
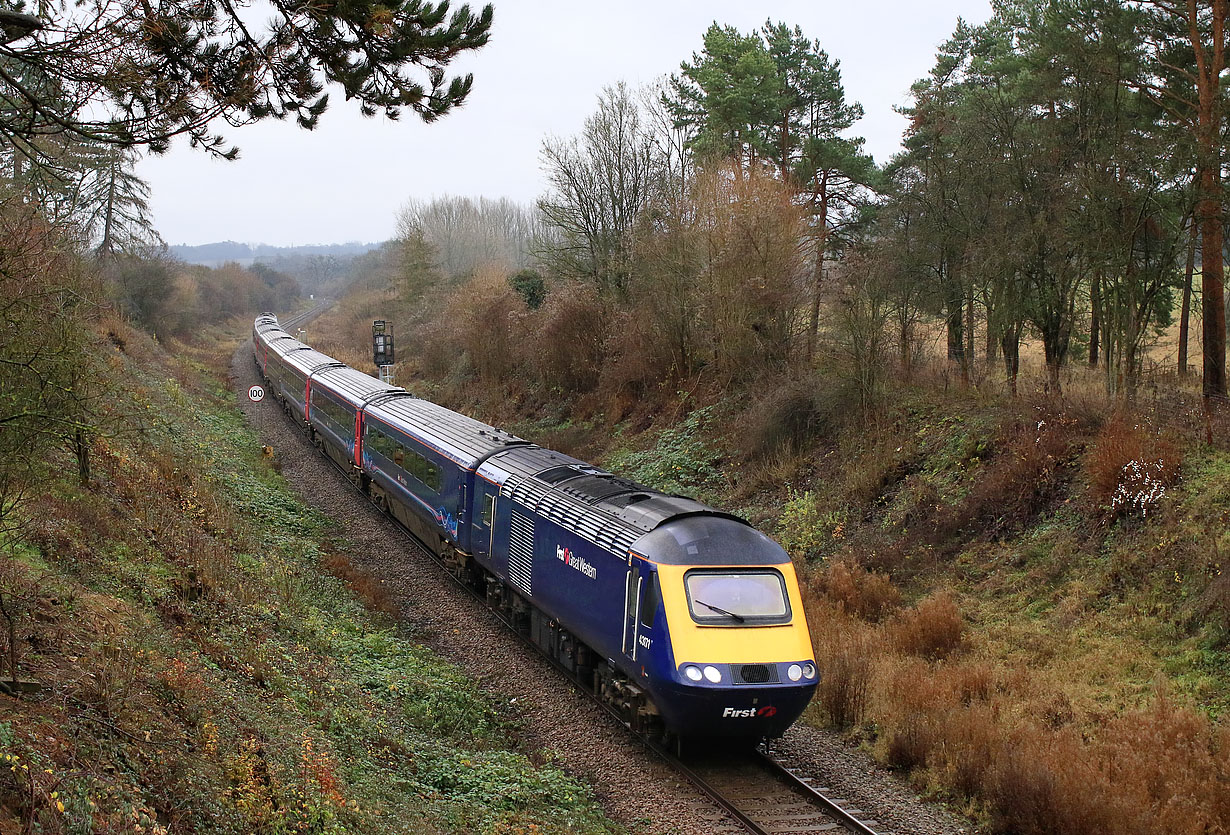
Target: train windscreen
column 734, row 597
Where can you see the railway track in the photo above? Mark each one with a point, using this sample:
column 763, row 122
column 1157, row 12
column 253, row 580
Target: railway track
column 307, row 315
column 763, row 795
column 767, row 797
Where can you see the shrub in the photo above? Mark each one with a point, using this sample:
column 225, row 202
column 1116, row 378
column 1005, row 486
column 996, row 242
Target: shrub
column 804, row 527
column 640, row 363
column 909, row 730
column 571, row 331
column 971, row 736
column 844, row 653
column 1049, row 783
column 487, row 313
column 859, row 592
column 794, row 413
column 530, row 287
column 933, row 629
column 1129, row 468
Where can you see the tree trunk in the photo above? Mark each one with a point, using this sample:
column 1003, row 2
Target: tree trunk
column 1131, row 346
column 81, row 449
column 1095, row 322
column 11, row 637
column 1209, row 209
column 1212, row 288
column 818, row 270
column 106, row 246
column 1055, row 339
column 904, row 336
column 955, row 313
column 991, row 344
column 1010, row 343
column 969, row 326
column 1186, row 309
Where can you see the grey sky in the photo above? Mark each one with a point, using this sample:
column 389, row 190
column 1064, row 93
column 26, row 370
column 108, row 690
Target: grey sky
column 539, row 75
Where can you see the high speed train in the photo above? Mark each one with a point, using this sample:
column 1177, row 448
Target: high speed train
column 683, row 618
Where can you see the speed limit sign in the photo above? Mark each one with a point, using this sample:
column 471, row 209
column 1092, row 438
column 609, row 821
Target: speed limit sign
column 256, row 394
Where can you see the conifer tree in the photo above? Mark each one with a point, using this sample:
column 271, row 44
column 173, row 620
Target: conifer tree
column 136, row 73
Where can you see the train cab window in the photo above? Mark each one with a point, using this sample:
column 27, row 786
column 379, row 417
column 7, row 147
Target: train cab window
column 650, row 595
column 726, row 597
column 488, row 509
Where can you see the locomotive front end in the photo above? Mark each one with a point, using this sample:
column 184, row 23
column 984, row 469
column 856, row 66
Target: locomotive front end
column 741, row 664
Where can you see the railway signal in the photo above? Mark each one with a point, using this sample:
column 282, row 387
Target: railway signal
column 382, row 349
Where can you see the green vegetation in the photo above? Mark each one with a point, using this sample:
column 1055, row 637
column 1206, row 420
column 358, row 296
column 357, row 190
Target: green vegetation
column 205, row 660
column 681, row 460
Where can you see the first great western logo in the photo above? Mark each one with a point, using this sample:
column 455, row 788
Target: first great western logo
column 570, row 559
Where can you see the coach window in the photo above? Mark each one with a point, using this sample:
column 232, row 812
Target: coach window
column 399, row 455
column 649, row 601
column 488, row 509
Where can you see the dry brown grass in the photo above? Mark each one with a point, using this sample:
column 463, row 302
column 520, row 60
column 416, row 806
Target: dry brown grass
column 1034, row 463
column 1009, row 740
column 864, row 594
column 366, row 587
column 933, row 629
column 1127, row 465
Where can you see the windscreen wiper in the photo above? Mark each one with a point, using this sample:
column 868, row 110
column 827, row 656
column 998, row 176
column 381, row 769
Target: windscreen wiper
column 722, row 611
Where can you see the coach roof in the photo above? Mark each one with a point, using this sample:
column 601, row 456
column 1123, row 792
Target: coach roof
column 463, row 439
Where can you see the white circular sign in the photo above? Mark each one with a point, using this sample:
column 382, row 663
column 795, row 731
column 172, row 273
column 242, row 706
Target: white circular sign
column 256, row 394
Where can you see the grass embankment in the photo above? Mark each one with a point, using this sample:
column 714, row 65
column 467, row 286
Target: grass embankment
column 1022, row 603
column 1064, row 664
column 206, row 661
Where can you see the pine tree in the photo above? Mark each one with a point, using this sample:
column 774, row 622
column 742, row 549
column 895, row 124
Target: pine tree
column 133, row 73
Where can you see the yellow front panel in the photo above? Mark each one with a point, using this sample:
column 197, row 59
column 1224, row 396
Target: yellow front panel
column 733, row 644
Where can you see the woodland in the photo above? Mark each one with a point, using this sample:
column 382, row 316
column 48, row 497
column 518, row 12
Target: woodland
column 978, row 392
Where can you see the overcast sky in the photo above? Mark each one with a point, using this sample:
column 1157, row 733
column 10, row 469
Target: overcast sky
column 539, row 76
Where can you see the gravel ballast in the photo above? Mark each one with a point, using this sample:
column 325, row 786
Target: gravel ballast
column 633, row 785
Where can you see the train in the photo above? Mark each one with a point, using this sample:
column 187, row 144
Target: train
column 683, row 619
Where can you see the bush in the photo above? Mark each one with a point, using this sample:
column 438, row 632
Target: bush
column 845, row 677
column 571, row 327
column 804, row 527
column 933, row 629
column 530, row 287
column 910, row 734
column 864, row 594
column 795, row 413
column 488, row 314
column 1129, row 468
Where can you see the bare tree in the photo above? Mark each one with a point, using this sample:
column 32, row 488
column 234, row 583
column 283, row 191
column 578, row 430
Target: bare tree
column 599, row 183
column 467, row 234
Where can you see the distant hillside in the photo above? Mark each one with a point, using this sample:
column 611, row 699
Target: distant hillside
column 211, row 255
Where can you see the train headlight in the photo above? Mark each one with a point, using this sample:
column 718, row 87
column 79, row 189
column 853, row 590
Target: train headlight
column 713, row 674
column 794, row 672
column 809, row 670
column 693, row 672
